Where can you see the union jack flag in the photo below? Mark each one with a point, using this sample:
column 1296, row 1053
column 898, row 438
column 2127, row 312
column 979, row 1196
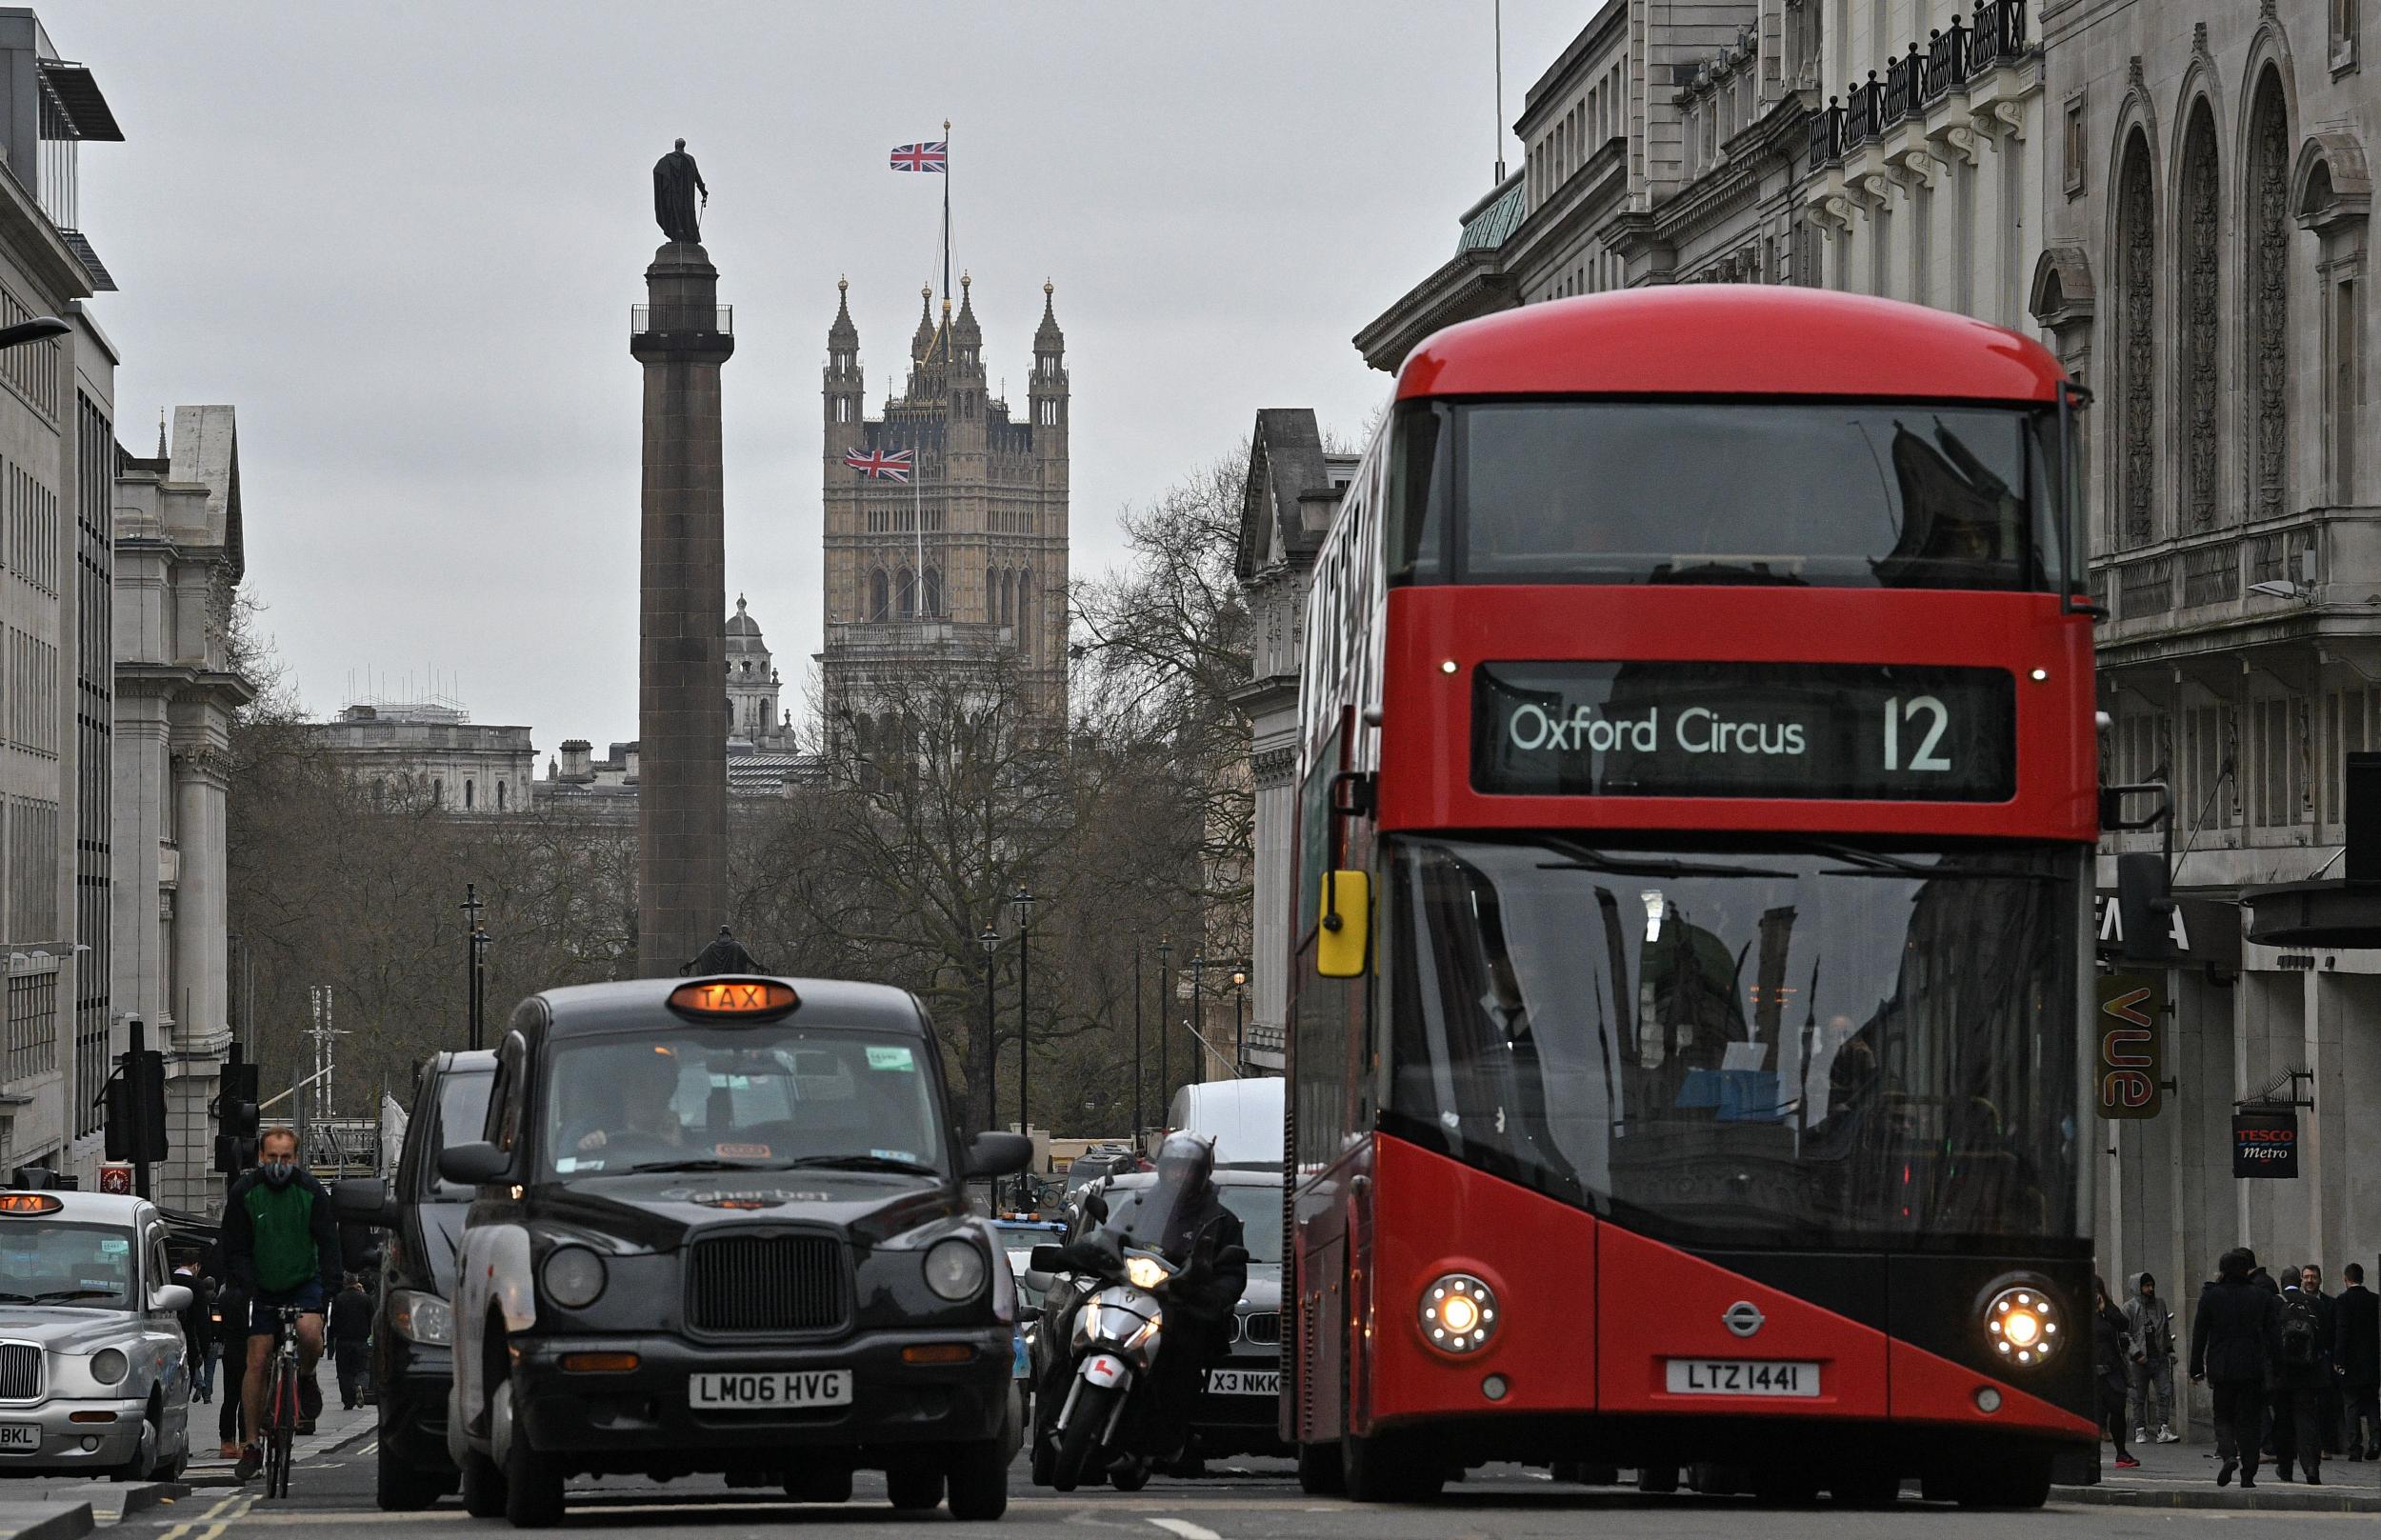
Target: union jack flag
column 934, row 157
column 887, row 465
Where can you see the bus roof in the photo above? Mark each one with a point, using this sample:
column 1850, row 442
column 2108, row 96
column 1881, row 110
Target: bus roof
column 1727, row 340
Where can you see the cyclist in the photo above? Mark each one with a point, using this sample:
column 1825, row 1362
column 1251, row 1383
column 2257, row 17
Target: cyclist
column 279, row 1243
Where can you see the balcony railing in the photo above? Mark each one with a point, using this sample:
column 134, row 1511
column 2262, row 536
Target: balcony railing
column 1861, row 112
column 675, row 319
column 1826, row 130
column 1951, row 57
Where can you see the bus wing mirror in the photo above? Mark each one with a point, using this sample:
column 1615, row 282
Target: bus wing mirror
column 1346, row 925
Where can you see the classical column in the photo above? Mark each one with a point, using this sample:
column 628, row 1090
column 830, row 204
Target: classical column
column 682, row 337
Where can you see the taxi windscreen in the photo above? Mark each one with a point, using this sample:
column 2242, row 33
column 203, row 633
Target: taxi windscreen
column 48, row 1262
column 740, row 1098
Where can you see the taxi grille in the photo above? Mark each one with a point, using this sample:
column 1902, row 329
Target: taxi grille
column 1262, row 1327
column 20, row 1371
column 766, row 1282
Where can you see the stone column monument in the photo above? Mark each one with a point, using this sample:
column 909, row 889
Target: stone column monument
column 682, row 337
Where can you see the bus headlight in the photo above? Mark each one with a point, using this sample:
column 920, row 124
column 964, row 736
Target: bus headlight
column 574, row 1277
column 1458, row 1313
column 2022, row 1324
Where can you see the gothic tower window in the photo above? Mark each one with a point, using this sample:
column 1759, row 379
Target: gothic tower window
column 2200, row 240
column 1024, row 600
column 2136, row 314
column 906, row 593
column 934, row 591
column 879, row 606
column 2267, row 335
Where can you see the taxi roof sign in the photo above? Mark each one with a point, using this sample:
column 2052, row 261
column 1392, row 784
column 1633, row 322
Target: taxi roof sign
column 750, row 998
column 30, row 1203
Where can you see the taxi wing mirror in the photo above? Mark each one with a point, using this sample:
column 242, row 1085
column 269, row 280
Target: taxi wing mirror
column 1096, row 1206
column 171, row 1298
column 473, row 1165
column 363, row 1200
column 998, row 1155
column 1046, row 1261
column 1346, row 932
column 1038, row 1279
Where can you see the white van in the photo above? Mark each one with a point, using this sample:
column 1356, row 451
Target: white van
column 1244, row 1117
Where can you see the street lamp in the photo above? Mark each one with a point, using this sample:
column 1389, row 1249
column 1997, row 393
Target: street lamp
column 471, row 907
column 990, row 1058
column 1239, row 1017
column 1025, row 902
column 1198, row 1003
column 40, row 328
column 1136, row 1037
column 1165, row 1019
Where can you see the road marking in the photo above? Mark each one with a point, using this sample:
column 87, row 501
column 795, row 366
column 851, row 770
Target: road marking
column 182, row 1528
column 1187, row 1530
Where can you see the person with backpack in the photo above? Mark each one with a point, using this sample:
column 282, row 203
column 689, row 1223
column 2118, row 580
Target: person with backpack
column 2302, row 1379
column 2114, row 1355
column 2356, row 1359
column 2152, row 1399
column 2231, row 1350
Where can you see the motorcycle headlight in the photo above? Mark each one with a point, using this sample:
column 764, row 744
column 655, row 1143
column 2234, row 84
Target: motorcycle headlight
column 574, row 1277
column 108, row 1366
column 954, row 1269
column 1458, row 1313
column 1144, row 1271
column 2022, row 1325
column 423, row 1318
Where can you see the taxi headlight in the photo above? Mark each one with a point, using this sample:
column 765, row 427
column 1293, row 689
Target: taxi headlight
column 574, row 1277
column 108, row 1366
column 423, row 1318
column 1144, row 1271
column 2023, row 1324
column 954, row 1269
column 1458, row 1313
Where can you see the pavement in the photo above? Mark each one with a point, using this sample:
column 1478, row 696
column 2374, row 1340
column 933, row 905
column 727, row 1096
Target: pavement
column 335, row 1427
column 2183, row 1475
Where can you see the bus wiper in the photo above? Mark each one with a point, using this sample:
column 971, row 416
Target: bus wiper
column 1598, row 861
column 866, row 1163
column 1867, row 863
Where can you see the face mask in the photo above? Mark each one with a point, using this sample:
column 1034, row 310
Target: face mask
column 279, row 1172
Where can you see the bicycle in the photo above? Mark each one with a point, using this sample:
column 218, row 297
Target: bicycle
column 281, row 1402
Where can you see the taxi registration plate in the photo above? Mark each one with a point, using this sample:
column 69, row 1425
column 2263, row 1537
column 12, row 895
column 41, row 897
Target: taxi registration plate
column 20, row 1438
column 1741, row 1377
column 771, row 1391
column 1244, row 1382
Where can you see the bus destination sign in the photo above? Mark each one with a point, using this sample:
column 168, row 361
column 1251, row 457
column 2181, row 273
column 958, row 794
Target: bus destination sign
column 1846, row 731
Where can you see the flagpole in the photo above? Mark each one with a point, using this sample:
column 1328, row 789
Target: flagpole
column 946, row 211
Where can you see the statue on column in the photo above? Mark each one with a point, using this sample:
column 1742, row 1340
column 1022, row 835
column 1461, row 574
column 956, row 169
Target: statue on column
column 675, row 184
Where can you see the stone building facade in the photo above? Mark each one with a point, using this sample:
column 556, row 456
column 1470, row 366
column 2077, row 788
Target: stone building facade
column 57, row 458
column 434, row 751
column 1292, row 490
column 969, row 557
column 179, row 556
column 2210, row 174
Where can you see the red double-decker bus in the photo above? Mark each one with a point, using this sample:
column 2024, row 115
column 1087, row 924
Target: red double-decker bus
column 1696, row 813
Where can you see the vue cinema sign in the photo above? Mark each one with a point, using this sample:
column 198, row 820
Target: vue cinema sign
column 2131, row 1026
column 2265, row 1144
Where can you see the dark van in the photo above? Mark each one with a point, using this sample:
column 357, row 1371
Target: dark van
column 413, row 1328
column 721, row 1227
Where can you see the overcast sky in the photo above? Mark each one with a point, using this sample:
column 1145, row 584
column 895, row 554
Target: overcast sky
column 403, row 240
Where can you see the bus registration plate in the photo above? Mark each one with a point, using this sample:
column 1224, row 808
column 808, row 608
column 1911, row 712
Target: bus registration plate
column 1741, row 1377
column 770, row 1391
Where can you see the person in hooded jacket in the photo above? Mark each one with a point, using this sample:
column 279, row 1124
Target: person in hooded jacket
column 2152, row 1328
column 2112, row 1358
column 2231, row 1350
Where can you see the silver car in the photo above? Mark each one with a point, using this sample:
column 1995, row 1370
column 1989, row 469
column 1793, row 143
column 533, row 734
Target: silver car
column 92, row 1374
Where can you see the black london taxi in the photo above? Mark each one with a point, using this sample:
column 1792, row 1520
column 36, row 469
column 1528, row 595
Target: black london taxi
column 721, row 1227
column 413, row 1325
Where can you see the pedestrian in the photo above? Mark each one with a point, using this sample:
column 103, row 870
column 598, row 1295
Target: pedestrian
column 2357, row 1361
column 2232, row 1351
column 198, row 1324
column 2302, row 1372
column 350, row 1336
column 2114, row 1354
column 2152, row 1407
column 2327, row 1320
column 231, row 1343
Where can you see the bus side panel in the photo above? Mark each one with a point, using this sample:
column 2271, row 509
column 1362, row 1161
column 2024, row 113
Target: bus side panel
column 1928, row 1389
column 1659, row 1304
column 1435, row 1216
column 1319, row 1241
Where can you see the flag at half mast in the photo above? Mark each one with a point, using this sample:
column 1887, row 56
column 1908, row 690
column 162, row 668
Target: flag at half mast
column 879, row 465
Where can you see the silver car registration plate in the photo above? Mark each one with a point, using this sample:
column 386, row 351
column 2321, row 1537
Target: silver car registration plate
column 20, row 1438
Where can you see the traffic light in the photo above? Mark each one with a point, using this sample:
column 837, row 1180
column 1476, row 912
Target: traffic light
column 136, row 1108
column 236, row 1118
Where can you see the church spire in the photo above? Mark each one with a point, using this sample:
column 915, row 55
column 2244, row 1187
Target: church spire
column 1047, row 337
column 161, row 433
column 924, row 339
column 843, row 333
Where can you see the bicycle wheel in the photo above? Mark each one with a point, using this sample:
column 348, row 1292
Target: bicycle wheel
column 281, row 1426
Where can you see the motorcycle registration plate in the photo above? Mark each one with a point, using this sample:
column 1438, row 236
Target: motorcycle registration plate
column 1244, row 1382
column 1741, row 1376
column 20, row 1437
column 770, row 1391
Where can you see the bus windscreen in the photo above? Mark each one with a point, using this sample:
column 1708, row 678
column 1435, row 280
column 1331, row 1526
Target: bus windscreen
column 1821, row 495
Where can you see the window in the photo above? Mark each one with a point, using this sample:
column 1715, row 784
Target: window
column 879, row 604
column 2344, row 391
column 500, row 796
column 2344, row 35
column 438, row 792
column 467, row 792
column 2074, row 148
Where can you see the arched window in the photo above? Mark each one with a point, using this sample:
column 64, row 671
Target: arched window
column 500, row 796
column 934, row 591
column 905, row 593
column 879, row 606
column 2199, row 241
column 380, row 792
column 1024, row 600
column 467, row 796
column 996, row 596
column 438, row 791
column 2136, row 348
column 2267, row 366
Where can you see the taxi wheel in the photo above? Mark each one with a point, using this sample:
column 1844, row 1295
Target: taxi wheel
column 533, row 1485
column 979, row 1481
column 400, row 1489
column 483, row 1485
column 914, row 1489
